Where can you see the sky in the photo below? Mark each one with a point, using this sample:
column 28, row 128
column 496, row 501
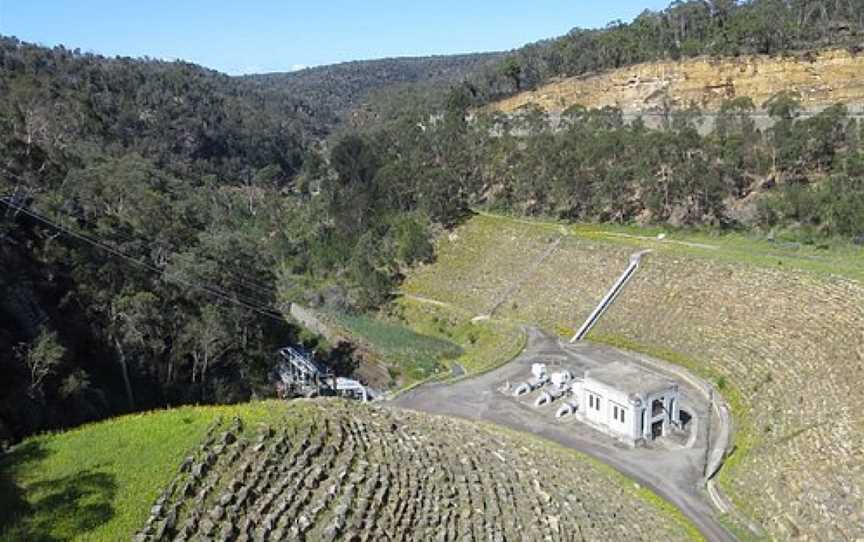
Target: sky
column 257, row 36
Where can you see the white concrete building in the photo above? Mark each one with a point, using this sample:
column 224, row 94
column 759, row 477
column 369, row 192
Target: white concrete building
column 628, row 402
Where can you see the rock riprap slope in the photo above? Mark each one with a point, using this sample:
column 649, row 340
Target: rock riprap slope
column 787, row 344
column 372, row 473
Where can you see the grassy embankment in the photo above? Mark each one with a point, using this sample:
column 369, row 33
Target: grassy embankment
column 99, row 481
column 424, row 332
column 775, row 325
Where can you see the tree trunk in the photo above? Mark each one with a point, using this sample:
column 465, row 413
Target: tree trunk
column 125, row 370
column 195, row 365
column 204, row 368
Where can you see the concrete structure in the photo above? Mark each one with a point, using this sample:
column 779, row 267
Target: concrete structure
column 673, row 472
column 628, row 402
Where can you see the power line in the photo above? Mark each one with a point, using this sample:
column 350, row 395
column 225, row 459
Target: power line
column 215, row 291
column 249, row 283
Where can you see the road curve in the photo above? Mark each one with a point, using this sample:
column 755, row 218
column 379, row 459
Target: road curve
column 675, row 475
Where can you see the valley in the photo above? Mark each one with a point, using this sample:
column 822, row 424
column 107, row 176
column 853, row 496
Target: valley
column 343, row 302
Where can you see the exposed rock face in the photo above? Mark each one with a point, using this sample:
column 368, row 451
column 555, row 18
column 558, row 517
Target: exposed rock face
column 825, row 78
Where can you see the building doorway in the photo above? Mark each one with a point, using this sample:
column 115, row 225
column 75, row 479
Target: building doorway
column 657, row 429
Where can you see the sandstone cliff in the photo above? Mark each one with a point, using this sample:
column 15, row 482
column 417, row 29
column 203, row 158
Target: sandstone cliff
column 821, row 78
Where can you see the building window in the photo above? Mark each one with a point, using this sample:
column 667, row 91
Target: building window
column 590, row 401
column 597, row 404
column 618, row 413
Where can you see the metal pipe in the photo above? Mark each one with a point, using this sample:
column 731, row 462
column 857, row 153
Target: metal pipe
column 610, row 296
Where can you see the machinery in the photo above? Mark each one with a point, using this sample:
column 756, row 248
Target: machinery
column 538, row 370
column 300, row 375
column 571, row 403
column 559, row 388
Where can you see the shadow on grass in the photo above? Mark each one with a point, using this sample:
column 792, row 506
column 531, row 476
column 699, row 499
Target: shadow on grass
column 13, row 504
column 53, row 509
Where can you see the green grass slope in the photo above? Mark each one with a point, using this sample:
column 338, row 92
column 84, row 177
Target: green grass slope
column 411, row 356
column 485, row 344
column 99, row 481
column 778, row 327
column 416, row 340
column 413, row 341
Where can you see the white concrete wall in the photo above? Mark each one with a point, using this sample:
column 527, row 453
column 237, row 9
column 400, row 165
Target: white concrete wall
column 609, row 399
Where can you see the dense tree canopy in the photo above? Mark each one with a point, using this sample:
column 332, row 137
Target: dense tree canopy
column 345, row 88
column 179, row 197
column 596, row 167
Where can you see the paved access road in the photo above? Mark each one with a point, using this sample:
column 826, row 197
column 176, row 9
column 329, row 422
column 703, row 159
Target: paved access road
column 673, row 471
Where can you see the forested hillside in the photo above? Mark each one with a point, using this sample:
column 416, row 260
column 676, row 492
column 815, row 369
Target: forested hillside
column 175, row 198
column 685, row 29
column 802, row 177
column 341, row 88
column 166, row 164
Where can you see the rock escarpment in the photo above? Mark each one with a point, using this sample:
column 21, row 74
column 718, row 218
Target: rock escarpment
column 821, row 79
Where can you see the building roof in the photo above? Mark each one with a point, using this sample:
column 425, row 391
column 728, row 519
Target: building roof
column 630, row 378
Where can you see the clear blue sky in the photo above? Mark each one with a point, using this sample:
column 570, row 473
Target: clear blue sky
column 269, row 35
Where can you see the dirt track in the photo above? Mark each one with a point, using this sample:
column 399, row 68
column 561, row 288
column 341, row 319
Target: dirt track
column 673, row 472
